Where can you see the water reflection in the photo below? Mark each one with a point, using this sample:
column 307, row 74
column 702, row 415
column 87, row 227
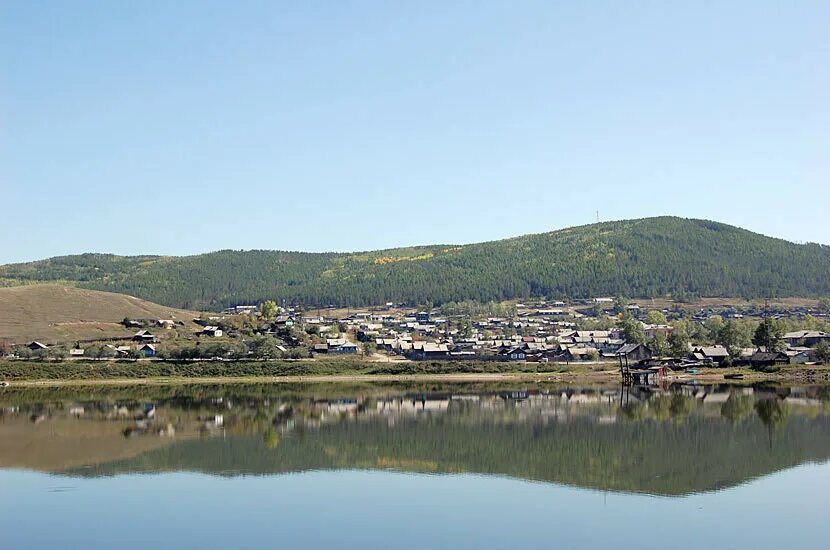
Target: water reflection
column 685, row 439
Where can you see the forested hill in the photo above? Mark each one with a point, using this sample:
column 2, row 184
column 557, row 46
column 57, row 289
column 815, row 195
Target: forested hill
column 635, row 258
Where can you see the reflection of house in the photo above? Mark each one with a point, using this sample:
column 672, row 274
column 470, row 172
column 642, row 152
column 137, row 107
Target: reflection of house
column 410, row 405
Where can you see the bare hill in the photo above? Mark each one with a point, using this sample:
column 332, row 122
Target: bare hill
column 51, row 312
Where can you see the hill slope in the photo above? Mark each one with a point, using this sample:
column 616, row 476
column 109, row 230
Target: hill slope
column 636, row 258
column 50, row 312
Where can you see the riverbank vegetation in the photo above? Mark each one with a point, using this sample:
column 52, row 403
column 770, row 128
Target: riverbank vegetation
column 15, row 370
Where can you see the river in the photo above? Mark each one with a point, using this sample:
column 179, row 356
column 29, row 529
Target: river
column 411, row 466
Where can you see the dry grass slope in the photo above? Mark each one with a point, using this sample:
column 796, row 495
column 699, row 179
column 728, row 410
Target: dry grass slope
column 51, row 312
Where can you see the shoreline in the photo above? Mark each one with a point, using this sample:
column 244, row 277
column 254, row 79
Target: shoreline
column 709, row 376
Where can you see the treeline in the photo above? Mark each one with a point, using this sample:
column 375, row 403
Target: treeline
column 638, row 258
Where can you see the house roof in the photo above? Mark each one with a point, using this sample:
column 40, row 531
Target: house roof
column 627, row 348
column 713, row 351
column 798, row 334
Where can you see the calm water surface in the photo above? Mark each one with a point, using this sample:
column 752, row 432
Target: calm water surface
column 440, row 466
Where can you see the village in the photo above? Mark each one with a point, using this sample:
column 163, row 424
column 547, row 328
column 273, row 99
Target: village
column 598, row 330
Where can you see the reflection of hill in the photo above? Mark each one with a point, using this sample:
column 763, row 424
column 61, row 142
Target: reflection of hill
column 68, row 443
column 699, row 454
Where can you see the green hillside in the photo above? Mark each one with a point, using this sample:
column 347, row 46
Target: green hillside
column 636, row 258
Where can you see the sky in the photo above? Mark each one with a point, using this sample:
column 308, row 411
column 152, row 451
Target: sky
column 161, row 127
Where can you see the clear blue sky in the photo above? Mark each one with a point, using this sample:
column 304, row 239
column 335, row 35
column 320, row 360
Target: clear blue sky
column 182, row 127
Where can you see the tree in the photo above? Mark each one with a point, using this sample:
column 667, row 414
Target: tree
column 824, row 305
column 655, row 317
column 769, row 335
column 237, row 350
column 369, row 348
column 97, row 351
column 733, row 337
column 57, row 352
column 465, row 328
column 659, row 345
column 268, row 310
column 822, row 352
column 632, row 329
column 713, row 327
column 679, row 341
column 265, row 347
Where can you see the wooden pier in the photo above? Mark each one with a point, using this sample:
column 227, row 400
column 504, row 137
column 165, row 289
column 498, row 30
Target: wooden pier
column 638, row 375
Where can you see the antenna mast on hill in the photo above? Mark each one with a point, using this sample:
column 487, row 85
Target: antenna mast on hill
column 597, row 216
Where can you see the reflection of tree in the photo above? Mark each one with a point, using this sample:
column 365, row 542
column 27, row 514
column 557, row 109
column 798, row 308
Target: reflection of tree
column 772, row 412
column 661, row 407
column 271, row 439
column 681, row 406
column 634, row 411
column 737, row 407
column 677, row 407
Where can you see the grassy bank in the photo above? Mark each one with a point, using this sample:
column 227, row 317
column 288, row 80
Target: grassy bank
column 17, row 370
column 340, row 370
